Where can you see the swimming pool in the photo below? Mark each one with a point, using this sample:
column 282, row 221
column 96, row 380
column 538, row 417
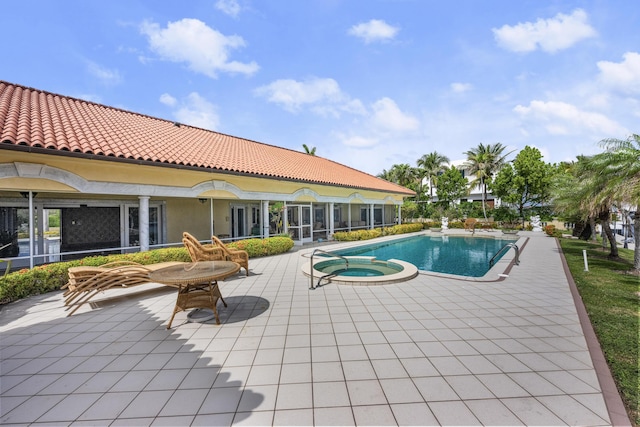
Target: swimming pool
column 459, row 255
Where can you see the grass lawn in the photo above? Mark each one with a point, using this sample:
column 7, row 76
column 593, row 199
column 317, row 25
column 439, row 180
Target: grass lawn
column 611, row 298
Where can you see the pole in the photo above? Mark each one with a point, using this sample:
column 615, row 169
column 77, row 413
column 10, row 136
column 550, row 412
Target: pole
column 586, row 265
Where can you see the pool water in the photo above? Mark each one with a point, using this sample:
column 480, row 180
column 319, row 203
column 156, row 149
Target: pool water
column 358, row 267
column 463, row 256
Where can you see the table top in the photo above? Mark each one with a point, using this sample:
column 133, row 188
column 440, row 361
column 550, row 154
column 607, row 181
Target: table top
column 194, row 272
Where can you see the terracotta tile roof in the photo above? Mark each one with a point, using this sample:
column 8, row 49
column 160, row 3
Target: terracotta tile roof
column 44, row 120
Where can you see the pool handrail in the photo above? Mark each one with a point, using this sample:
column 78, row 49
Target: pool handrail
column 508, row 245
column 326, row 253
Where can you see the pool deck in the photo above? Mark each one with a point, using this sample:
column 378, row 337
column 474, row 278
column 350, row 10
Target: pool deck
column 433, row 350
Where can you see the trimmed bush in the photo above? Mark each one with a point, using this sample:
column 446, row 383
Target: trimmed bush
column 350, row 236
column 51, row 277
column 263, row 247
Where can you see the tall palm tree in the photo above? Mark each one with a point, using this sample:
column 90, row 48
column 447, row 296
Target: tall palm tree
column 430, row 166
column 484, row 161
column 403, row 174
column 310, row 151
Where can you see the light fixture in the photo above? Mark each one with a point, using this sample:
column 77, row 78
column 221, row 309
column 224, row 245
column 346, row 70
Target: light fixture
column 202, row 200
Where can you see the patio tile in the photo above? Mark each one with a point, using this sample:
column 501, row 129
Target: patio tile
column 200, row 378
column 492, row 412
column 453, row 413
column 258, row 398
column 294, row 396
column 373, row 415
column 366, row 392
column 435, row 389
column 147, row 404
column 207, row 420
column 334, row 416
column 263, row 375
column 108, row 406
column 389, row 368
column 184, row 402
column 295, row 373
column 413, row 414
column 468, row 387
column 253, row 418
column 29, row 410
column 401, row 390
column 571, row 411
column 167, row 379
column 221, row 400
column 329, row 394
column 531, row 411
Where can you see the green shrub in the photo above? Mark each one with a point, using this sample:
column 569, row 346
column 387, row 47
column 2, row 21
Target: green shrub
column 51, row 277
column 264, row 247
column 350, row 236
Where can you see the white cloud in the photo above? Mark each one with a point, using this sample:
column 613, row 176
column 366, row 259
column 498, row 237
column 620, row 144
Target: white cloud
column 560, row 118
column 230, row 7
column 167, row 99
column 358, row 141
column 374, row 30
column 196, row 111
column 461, row 87
column 623, row 76
column 388, row 116
column 202, row 48
column 550, row 35
column 105, row 75
column 322, row 95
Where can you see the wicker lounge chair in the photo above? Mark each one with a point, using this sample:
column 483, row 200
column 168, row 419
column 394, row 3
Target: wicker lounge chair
column 235, row 255
column 85, row 282
column 470, row 224
column 199, row 252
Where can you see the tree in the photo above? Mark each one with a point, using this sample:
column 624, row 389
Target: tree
column 310, row 151
column 525, row 184
column 429, row 166
column 451, row 186
column 484, row 162
column 572, row 188
column 619, row 179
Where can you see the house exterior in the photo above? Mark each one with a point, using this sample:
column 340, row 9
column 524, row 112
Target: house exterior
column 123, row 181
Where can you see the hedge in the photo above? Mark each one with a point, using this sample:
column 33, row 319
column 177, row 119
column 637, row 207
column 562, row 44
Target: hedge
column 349, row 236
column 51, row 277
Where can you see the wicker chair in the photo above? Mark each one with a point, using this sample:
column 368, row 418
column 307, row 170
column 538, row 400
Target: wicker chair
column 199, row 252
column 85, row 282
column 235, row 255
column 470, row 224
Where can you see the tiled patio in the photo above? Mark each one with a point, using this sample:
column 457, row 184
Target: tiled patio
column 430, row 351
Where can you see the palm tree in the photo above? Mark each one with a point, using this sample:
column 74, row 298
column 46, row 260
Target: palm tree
column 485, row 161
column 403, row 174
column 310, row 151
column 430, row 166
column 619, row 176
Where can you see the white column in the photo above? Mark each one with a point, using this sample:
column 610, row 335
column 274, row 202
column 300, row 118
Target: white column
column 332, row 223
column 349, row 217
column 212, row 231
column 371, row 217
column 143, row 222
column 31, row 231
column 285, row 218
column 399, row 214
column 265, row 219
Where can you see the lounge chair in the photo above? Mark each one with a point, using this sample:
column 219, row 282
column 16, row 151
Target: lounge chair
column 85, row 282
column 470, row 224
column 235, row 255
column 199, row 252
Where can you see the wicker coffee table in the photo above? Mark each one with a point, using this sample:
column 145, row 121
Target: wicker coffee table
column 197, row 284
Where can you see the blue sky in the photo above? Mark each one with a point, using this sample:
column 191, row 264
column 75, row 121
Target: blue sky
column 369, row 83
